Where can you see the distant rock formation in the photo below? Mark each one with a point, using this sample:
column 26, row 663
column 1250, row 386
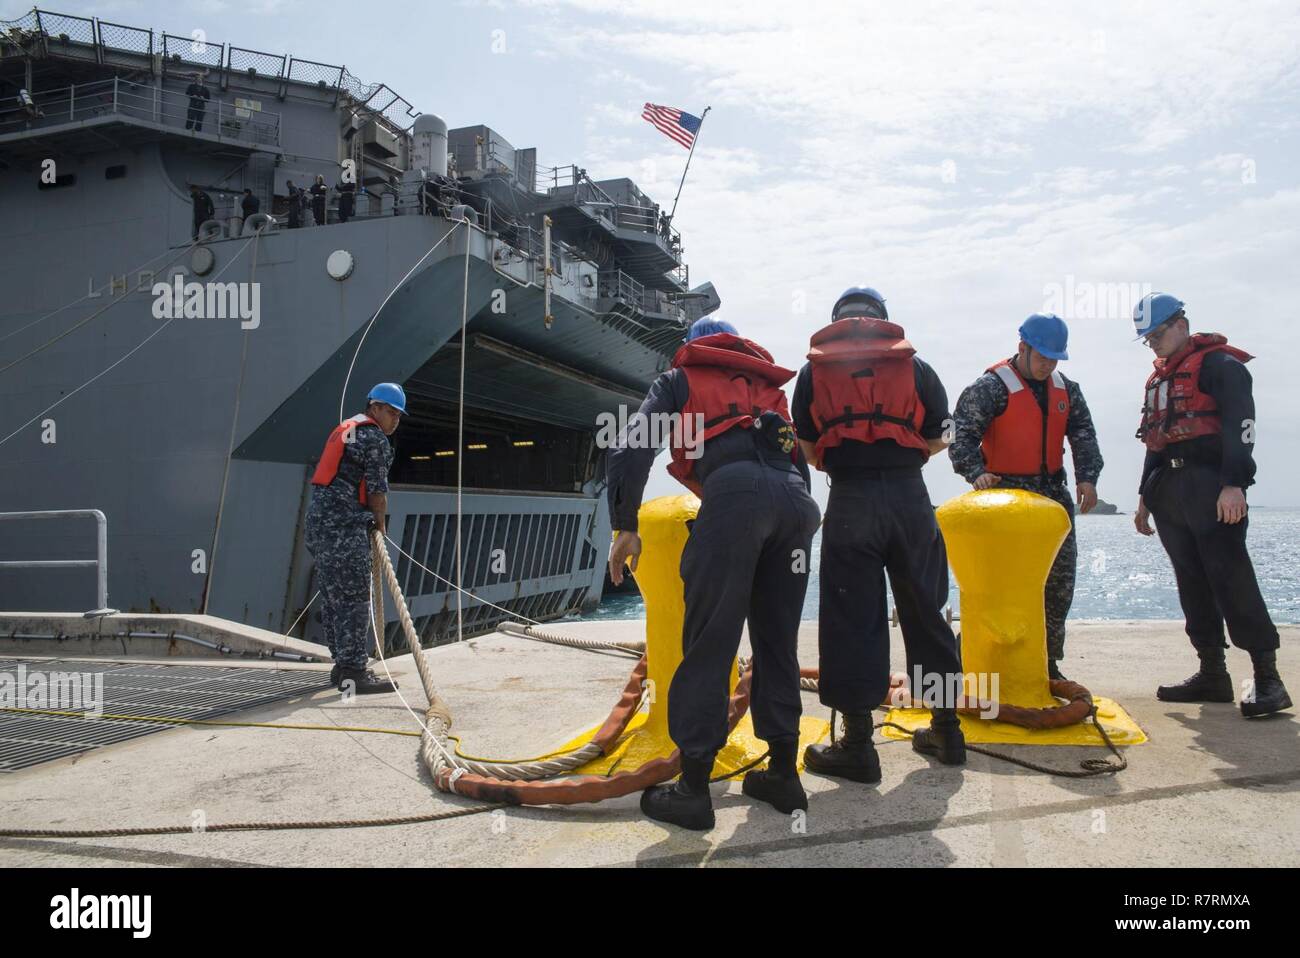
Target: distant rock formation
column 1104, row 508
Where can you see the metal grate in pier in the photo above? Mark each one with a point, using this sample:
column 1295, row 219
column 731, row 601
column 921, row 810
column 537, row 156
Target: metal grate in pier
column 154, row 691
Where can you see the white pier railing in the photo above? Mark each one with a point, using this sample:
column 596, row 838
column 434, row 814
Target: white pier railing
column 100, row 562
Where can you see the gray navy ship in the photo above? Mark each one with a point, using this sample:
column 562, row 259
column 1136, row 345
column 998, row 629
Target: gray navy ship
column 196, row 437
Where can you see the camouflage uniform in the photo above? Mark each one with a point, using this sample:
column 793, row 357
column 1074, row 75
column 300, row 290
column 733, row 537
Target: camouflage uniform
column 338, row 536
column 982, row 402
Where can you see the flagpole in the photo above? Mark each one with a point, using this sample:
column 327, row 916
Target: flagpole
column 695, row 140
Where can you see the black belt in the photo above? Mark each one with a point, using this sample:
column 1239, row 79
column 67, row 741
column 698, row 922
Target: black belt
column 898, row 472
column 721, row 461
column 1058, row 477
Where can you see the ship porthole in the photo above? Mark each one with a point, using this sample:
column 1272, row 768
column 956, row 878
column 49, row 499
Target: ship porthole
column 339, row 264
column 202, row 261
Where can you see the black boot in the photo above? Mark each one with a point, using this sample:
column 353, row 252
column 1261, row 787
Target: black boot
column 334, row 675
column 778, row 784
column 1211, row 683
column 685, row 802
column 363, row 682
column 853, row 756
column 1269, row 694
column 943, row 739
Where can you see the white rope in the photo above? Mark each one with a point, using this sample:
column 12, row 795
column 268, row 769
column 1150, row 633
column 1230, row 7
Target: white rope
column 632, row 648
column 289, row 631
column 458, row 588
column 105, row 372
column 347, row 379
column 434, row 738
column 460, row 439
column 230, row 446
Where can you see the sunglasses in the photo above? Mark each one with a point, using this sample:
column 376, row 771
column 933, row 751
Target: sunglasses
column 1157, row 334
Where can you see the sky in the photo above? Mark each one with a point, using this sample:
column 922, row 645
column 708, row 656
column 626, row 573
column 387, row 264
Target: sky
column 975, row 162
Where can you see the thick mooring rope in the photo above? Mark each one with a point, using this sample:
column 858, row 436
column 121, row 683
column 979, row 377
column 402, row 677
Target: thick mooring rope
column 437, row 755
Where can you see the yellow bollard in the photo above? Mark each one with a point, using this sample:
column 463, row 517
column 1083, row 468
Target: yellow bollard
column 664, row 531
column 1001, row 545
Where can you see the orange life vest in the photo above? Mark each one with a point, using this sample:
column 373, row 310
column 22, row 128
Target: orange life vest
column 328, row 467
column 731, row 382
column 864, row 385
column 1174, row 408
column 1021, row 442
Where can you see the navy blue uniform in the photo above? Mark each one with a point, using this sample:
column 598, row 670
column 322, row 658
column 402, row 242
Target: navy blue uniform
column 747, row 558
column 879, row 519
column 338, row 537
column 1180, row 486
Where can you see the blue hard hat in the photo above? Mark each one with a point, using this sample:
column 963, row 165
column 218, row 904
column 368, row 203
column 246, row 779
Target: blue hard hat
column 706, row 326
column 389, row 393
column 860, row 301
column 1155, row 309
column 1047, row 333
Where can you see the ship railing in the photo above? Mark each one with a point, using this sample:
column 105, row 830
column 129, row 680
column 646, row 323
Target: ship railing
column 422, row 197
column 186, row 54
column 586, row 194
column 102, row 42
column 620, row 292
column 479, row 158
column 649, row 219
column 99, row 563
column 614, row 284
column 125, row 98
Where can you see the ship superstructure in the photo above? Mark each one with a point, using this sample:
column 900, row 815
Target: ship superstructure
column 195, row 435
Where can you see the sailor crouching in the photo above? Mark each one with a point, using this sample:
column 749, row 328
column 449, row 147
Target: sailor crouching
column 349, row 496
column 746, row 558
column 1198, row 424
column 1010, row 429
column 870, row 413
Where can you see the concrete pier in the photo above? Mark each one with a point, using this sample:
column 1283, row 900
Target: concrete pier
column 1210, row 788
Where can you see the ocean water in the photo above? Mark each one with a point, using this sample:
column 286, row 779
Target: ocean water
column 1121, row 575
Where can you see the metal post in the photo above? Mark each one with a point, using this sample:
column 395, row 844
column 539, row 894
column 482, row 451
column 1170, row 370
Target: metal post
column 694, row 140
column 101, row 555
column 547, row 318
column 72, row 97
column 100, row 562
column 115, row 94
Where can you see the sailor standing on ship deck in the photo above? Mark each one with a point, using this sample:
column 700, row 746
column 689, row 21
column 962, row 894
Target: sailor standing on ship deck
column 1198, row 424
column 869, row 413
column 203, row 208
column 319, row 192
column 199, row 96
column 350, row 496
column 746, row 558
column 1011, row 428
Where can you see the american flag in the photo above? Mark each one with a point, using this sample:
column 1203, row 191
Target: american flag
column 675, row 124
